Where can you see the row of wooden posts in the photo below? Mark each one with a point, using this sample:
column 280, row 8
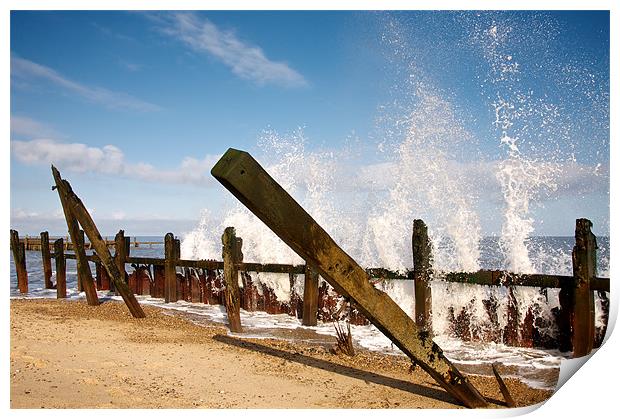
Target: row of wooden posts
column 575, row 318
column 165, row 282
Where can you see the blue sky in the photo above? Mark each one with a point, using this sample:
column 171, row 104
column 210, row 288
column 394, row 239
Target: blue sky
column 135, row 107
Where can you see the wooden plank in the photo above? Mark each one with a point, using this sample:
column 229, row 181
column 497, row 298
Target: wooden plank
column 170, row 273
column 61, row 269
column 311, row 296
column 584, row 268
column 46, row 259
column 230, row 254
column 19, row 259
column 85, row 276
column 83, row 217
column 421, row 250
column 270, row 267
column 258, row 191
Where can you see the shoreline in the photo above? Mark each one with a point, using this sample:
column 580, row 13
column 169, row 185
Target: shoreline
column 66, row 354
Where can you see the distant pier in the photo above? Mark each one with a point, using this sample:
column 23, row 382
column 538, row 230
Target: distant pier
column 34, row 243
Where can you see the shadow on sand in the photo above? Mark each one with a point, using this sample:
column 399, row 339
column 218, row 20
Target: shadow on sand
column 435, row 393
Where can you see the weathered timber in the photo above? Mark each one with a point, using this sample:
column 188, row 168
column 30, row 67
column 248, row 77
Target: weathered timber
column 311, row 296
column 19, row 258
column 79, row 277
column 46, row 259
column 103, row 280
column 83, row 217
column 139, row 280
column 170, row 273
column 121, row 253
column 584, row 268
column 421, row 250
column 230, row 255
column 61, row 269
column 157, row 289
column 85, row 276
column 194, row 286
column 510, row 402
column 181, row 280
column 503, row 278
column 482, row 277
column 511, row 330
column 252, row 185
column 181, row 287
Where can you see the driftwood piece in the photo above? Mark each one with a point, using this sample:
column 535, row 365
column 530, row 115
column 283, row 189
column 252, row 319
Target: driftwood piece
column 252, row 185
column 78, row 209
column 344, row 341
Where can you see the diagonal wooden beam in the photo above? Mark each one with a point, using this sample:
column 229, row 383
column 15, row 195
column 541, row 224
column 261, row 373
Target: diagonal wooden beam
column 252, row 185
column 85, row 276
column 75, row 206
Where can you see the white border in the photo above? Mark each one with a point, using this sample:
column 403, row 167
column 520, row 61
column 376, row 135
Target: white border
column 592, row 391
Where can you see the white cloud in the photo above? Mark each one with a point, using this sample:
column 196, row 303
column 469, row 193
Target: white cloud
column 27, row 70
column 246, row 61
column 22, row 125
column 110, row 159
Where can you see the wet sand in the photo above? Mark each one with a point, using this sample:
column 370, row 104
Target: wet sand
column 65, row 354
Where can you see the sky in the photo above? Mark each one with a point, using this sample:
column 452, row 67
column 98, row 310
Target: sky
column 134, row 108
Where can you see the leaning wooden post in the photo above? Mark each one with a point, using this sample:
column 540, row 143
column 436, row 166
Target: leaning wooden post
column 311, row 296
column 252, row 185
column 85, row 276
column 421, row 248
column 584, row 269
column 78, row 209
column 170, row 270
column 19, row 258
column 231, row 282
column 61, row 269
column 47, row 259
column 79, row 244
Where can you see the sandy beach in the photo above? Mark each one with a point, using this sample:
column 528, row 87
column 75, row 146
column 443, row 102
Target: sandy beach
column 65, row 354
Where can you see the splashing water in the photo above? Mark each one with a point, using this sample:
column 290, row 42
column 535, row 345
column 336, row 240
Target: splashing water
column 367, row 194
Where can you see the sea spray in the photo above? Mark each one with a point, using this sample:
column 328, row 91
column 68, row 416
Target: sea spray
column 429, row 184
column 417, row 168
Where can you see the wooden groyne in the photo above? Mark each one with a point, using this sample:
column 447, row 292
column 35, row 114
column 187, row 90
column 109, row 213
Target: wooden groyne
column 203, row 281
